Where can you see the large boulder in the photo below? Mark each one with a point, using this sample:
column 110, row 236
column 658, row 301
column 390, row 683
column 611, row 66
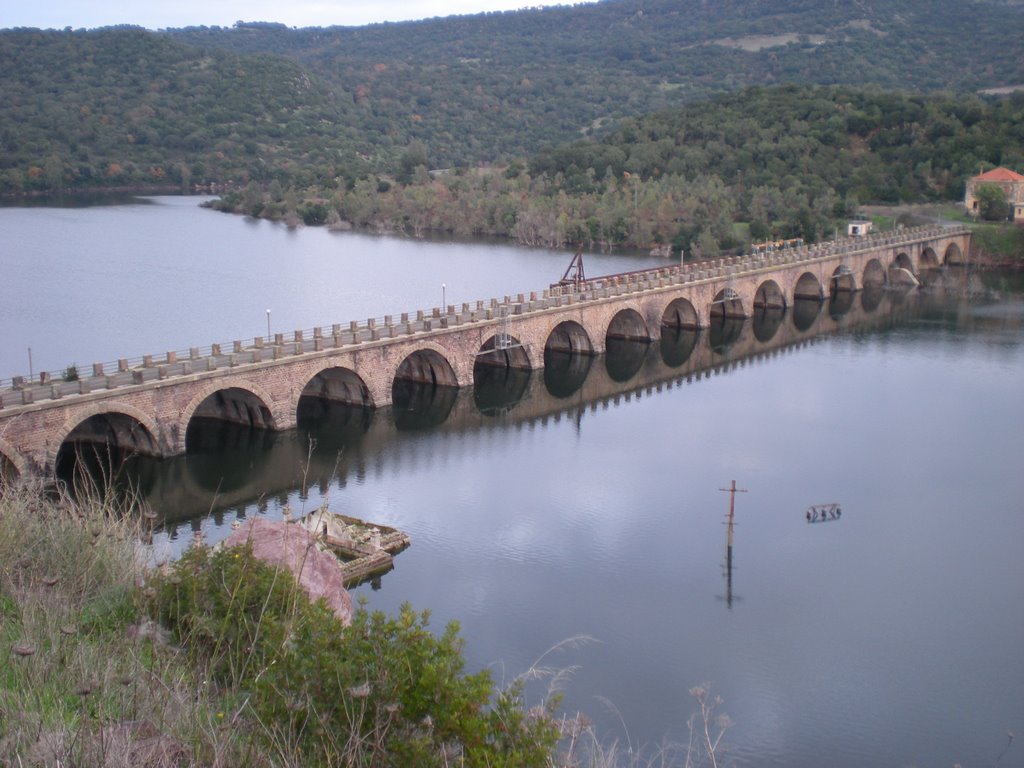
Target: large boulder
column 286, row 545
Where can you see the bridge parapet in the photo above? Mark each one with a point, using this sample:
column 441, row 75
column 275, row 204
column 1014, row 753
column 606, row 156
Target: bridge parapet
column 125, row 372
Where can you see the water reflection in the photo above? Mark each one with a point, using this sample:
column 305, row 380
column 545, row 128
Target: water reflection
column 497, row 389
column 767, row 321
column 417, row 405
column 871, row 297
column 805, row 313
column 725, row 331
column 840, row 303
column 239, row 452
column 565, row 372
column 624, row 358
column 677, row 344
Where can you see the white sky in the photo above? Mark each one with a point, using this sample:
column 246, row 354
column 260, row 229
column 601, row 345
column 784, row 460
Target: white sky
column 159, row 14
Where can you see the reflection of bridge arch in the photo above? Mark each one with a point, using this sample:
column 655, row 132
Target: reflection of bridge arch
column 570, row 337
column 242, row 402
column 840, row 303
column 680, row 313
column 628, row 325
column 677, row 345
column 624, row 357
column 766, row 322
column 498, row 389
column 805, row 314
column 725, row 332
column 339, row 384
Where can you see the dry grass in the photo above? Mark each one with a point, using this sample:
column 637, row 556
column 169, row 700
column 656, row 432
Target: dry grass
column 84, row 679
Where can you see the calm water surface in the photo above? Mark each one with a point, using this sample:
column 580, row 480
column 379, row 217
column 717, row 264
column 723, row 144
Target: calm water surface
column 562, row 505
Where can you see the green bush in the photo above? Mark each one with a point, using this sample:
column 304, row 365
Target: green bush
column 382, row 692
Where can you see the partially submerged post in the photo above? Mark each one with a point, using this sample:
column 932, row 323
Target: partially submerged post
column 732, row 490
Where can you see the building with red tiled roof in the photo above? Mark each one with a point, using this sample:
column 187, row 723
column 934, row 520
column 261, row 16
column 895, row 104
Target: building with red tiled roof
column 1010, row 182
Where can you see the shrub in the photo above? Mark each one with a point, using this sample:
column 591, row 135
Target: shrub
column 383, row 691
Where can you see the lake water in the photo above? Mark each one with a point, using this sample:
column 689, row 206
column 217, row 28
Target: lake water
column 563, row 505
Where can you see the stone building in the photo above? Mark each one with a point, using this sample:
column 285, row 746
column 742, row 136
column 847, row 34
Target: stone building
column 1011, row 183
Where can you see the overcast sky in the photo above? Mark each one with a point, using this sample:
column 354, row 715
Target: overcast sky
column 159, row 14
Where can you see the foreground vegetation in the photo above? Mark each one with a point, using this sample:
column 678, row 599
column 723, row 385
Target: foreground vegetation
column 220, row 660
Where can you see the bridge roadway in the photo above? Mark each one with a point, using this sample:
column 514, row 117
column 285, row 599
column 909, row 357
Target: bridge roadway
column 147, row 405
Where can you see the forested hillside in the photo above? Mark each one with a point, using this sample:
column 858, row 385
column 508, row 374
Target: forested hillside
column 262, row 102
column 492, row 86
column 788, row 161
column 125, row 107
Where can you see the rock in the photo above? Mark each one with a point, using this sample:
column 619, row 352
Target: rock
column 290, row 546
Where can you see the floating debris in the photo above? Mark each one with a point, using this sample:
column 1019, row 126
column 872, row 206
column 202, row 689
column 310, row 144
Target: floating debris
column 365, row 549
column 822, row 513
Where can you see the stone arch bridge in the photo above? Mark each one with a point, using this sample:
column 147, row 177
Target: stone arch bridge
column 146, row 405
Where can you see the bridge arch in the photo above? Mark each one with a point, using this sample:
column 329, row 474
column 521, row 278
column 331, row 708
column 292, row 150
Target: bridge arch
column 628, row 325
column 339, row 384
column 110, row 410
column 12, row 464
column 680, row 313
column 843, row 281
column 118, row 426
column 929, row 267
column 953, row 255
column 808, row 287
column 874, row 274
column 769, row 296
column 569, row 337
column 427, row 365
column 503, row 351
column 903, row 261
column 727, row 304
column 242, row 402
column 423, row 389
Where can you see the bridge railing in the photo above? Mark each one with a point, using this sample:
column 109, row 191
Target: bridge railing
column 775, row 257
column 20, row 390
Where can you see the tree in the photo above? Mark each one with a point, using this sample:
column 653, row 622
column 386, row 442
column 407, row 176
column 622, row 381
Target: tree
column 414, row 156
column 992, row 204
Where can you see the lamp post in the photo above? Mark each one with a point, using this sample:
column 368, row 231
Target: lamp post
column 444, row 298
column 268, row 325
